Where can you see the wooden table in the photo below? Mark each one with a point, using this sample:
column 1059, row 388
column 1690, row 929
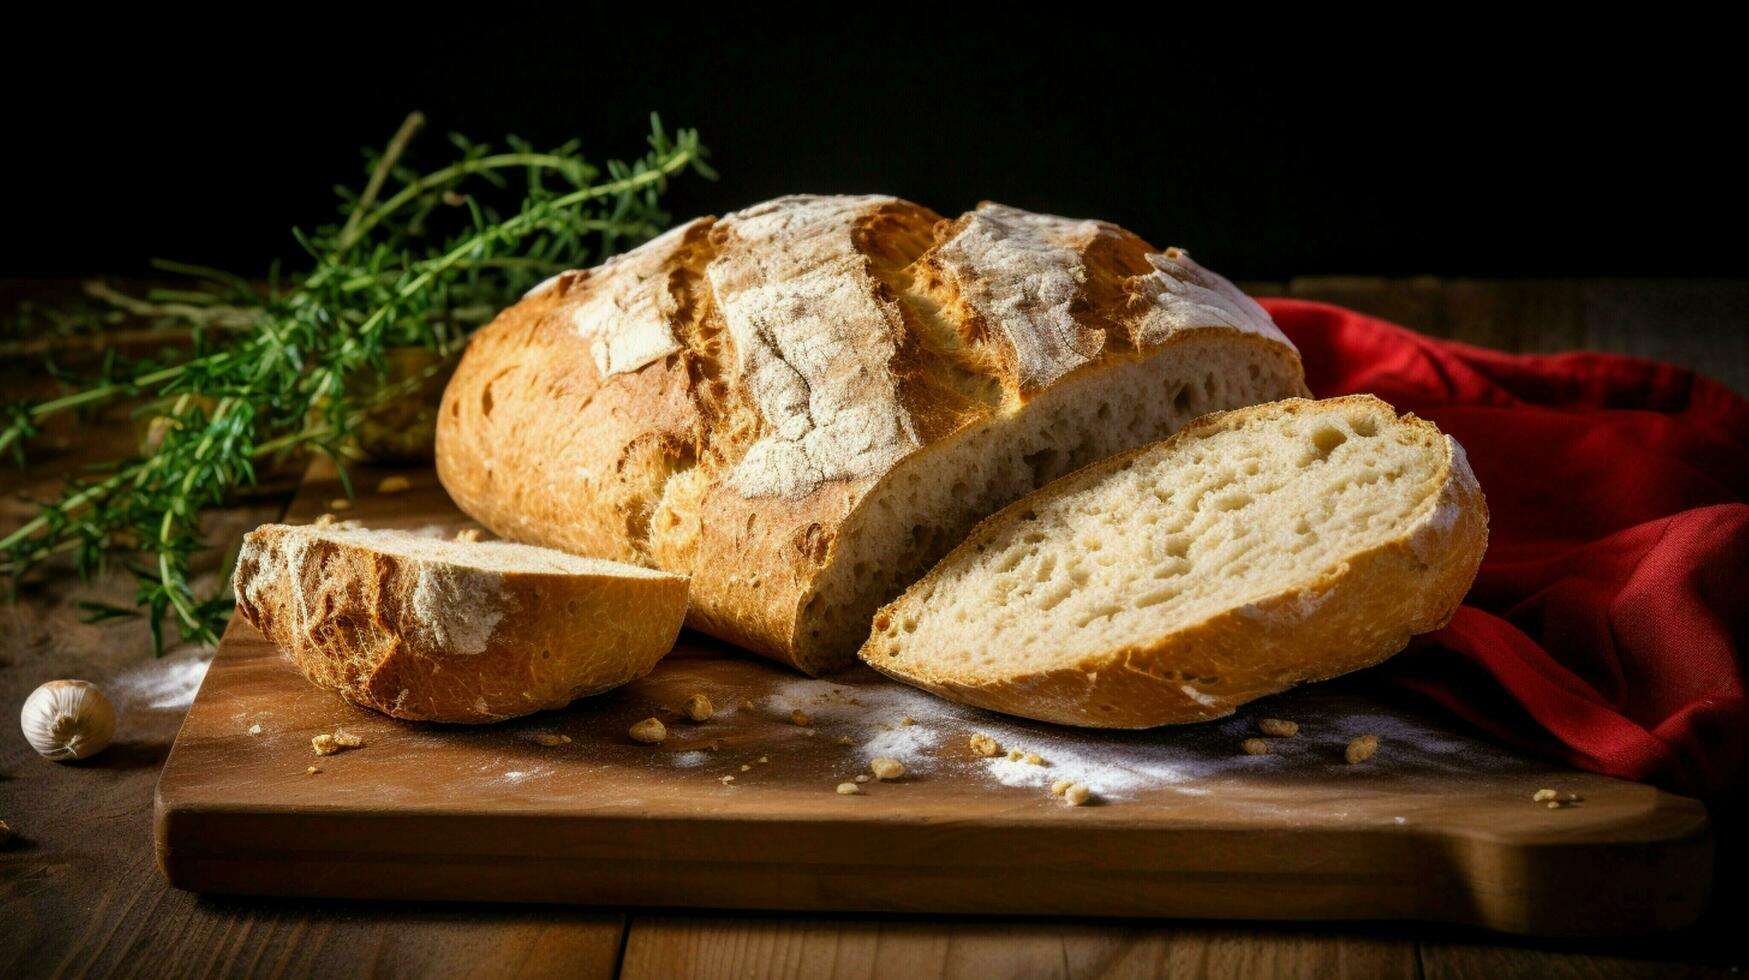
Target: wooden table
column 80, row 894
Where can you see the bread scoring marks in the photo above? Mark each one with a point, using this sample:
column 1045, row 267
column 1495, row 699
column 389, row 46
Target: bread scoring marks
column 456, row 608
column 627, row 305
column 1180, row 295
column 814, row 344
column 1021, row 273
column 548, row 284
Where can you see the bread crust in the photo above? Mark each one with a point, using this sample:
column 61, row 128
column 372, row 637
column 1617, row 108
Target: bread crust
column 1354, row 616
column 785, row 362
column 353, row 621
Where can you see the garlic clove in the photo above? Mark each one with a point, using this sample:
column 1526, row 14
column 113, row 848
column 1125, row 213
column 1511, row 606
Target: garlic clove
column 67, row 720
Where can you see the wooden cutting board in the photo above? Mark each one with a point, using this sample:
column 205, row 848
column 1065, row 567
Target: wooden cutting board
column 742, row 811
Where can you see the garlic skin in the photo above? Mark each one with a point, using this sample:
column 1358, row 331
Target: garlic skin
column 67, row 720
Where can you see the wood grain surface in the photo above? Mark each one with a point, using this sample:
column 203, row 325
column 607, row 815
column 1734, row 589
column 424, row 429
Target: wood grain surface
column 669, row 946
column 81, row 893
column 741, row 811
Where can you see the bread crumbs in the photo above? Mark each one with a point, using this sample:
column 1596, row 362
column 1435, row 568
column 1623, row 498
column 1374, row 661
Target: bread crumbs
column 698, row 708
column 550, row 739
column 1554, row 799
column 394, row 484
column 1361, row 749
column 984, row 745
column 326, row 744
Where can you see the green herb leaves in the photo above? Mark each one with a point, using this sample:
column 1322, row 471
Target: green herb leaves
column 419, row 260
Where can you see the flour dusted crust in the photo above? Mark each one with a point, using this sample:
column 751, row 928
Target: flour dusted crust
column 803, row 404
column 628, row 319
column 428, row 630
column 1022, row 274
column 814, row 343
column 1027, row 277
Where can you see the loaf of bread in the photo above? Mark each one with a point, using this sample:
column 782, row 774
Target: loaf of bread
column 804, row 404
column 1255, row 550
column 432, row 630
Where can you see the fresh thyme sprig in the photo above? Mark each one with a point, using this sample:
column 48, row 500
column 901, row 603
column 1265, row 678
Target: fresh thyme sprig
column 302, row 369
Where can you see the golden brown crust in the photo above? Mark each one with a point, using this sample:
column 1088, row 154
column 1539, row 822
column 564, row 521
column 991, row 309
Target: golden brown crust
column 1083, row 382
column 815, row 346
column 353, row 621
column 1356, row 616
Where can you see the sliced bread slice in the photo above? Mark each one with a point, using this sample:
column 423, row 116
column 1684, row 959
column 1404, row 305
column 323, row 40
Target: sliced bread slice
column 428, row 629
column 1255, row 550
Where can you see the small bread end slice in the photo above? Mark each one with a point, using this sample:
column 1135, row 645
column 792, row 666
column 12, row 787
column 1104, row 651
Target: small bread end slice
column 1257, row 549
column 426, row 629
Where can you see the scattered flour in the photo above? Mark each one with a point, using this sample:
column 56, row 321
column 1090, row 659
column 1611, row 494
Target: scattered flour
column 497, row 768
column 902, row 742
column 1108, row 773
column 871, row 714
column 689, row 760
column 166, row 684
column 1190, row 760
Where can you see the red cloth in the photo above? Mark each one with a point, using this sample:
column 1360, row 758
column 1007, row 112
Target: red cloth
column 1608, row 623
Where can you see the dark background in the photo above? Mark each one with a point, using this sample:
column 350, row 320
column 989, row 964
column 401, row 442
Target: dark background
column 1489, row 147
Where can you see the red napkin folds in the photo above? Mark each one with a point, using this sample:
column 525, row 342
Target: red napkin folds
column 1607, row 625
